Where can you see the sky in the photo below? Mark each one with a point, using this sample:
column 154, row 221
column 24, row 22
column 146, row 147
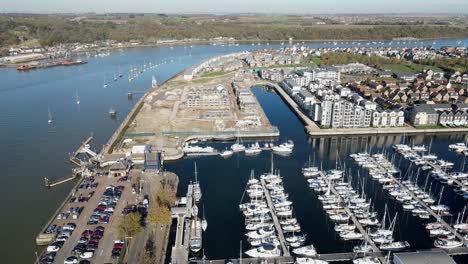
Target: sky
column 235, row 6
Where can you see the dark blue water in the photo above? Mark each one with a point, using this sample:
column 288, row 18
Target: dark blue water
column 223, row 182
column 32, row 150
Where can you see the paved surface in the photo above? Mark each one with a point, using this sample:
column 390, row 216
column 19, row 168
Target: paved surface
column 103, row 252
column 157, row 235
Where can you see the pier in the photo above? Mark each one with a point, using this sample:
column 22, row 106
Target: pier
column 331, row 257
column 431, row 212
column 355, row 222
column 83, row 148
column 420, row 202
column 284, row 246
column 180, row 250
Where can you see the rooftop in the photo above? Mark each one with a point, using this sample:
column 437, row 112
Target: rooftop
column 425, row 257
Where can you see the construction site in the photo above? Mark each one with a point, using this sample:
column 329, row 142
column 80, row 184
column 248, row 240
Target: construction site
column 218, row 107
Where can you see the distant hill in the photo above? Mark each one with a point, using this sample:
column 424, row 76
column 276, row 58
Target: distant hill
column 54, row 29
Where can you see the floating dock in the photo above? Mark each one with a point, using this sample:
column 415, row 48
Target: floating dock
column 284, row 246
column 356, row 222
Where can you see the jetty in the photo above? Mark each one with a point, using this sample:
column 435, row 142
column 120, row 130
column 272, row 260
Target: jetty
column 426, row 207
column 356, row 223
column 279, row 230
column 180, row 250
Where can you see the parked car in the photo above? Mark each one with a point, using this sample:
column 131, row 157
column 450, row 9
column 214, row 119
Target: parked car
column 71, row 260
column 69, row 226
column 78, row 249
column 87, row 254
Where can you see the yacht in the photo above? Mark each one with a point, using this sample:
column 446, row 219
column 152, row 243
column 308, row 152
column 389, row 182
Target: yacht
column 351, row 236
column 264, row 251
column 226, row 153
column 281, row 149
column 447, row 243
column 197, row 149
column 196, row 187
column 195, row 243
column 254, row 149
column 307, row 251
column 238, row 147
column 395, row 246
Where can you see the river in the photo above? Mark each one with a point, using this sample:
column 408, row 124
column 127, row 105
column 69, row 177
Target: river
column 32, row 149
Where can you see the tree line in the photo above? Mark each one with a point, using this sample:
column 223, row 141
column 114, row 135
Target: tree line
column 51, row 30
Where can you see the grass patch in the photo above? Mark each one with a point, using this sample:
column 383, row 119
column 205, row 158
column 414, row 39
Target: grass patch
column 431, row 127
column 316, row 60
column 409, row 67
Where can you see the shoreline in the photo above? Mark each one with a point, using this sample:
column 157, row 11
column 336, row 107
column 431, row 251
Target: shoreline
column 313, row 130
column 244, row 41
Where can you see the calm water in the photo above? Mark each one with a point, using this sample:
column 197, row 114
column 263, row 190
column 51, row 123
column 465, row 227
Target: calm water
column 32, row 150
column 223, row 182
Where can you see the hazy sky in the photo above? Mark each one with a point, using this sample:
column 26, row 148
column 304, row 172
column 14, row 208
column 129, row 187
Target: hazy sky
column 233, row 6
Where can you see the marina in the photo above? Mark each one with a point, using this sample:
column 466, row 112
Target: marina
column 380, row 161
column 60, row 139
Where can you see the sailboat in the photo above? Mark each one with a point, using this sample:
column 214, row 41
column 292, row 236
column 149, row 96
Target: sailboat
column 105, row 83
column 153, row 81
column 77, row 98
column 311, row 171
column 196, row 187
column 238, row 147
column 50, row 120
column 204, row 223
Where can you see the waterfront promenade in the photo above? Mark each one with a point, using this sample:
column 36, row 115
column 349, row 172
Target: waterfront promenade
column 314, row 130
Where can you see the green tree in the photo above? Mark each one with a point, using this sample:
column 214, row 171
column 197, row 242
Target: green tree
column 129, row 225
column 159, row 215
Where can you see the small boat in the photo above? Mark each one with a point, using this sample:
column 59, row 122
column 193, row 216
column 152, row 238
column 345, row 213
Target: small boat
column 112, row 112
column 447, row 243
column 254, row 149
column 264, row 251
column 204, row 223
column 226, row 153
column 395, row 246
column 77, row 98
column 50, row 120
column 307, row 251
